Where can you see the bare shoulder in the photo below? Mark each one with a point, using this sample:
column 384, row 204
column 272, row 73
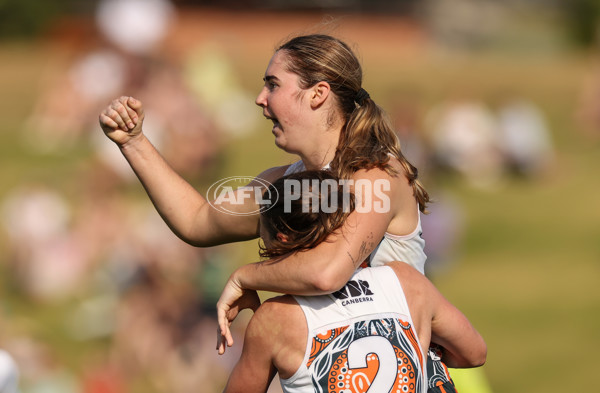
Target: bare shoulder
column 414, row 283
column 406, row 272
column 398, row 182
column 372, row 174
column 279, row 303
column 277, row 311
column 395, row 191
column 271, row 316
column 405, row 204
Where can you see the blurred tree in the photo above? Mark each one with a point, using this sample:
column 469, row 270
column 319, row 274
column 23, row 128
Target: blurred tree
column 583, row 17
column 28, row 18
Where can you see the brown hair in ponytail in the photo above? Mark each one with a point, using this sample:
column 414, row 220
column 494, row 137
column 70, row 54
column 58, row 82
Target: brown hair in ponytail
column 367, row 138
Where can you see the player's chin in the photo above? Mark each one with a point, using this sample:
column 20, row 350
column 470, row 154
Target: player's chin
column 280, row 142
column 286, row 148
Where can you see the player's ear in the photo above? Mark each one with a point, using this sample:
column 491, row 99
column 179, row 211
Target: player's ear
column 282, row 238
column 319, row 93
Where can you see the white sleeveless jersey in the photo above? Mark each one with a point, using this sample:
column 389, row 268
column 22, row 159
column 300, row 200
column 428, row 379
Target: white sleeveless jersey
column 406, row 248
column 360, row 339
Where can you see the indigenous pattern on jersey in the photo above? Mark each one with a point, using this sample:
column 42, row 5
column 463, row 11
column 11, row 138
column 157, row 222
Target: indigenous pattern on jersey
column 378, row 355
column 439, row 380
column 360, row 339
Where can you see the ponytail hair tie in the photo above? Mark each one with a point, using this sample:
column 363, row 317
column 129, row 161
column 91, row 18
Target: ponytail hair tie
column 361, row 96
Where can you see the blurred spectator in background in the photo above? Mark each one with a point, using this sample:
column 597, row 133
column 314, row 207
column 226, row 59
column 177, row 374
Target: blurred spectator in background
column 463, row 135
column 483, row 146
column 524, row 140
column 131, row 31
column 142, row 293
column 40, row 368
column 128, row 59
column 45, row 258
column 135, row 26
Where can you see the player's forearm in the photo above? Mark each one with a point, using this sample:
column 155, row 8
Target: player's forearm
column 474, row 358
column 304, row 273
column 176, row 200
column 465, row 349
column 320, row 270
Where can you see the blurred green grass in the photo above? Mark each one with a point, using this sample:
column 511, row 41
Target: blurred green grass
column 528, row 269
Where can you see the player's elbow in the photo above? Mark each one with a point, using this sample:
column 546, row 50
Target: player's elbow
column 471, row 353
column 193, row 239
column 481, row 356
column 200, row 242
column 330, row 279
column 324, row 284
column 478, row 355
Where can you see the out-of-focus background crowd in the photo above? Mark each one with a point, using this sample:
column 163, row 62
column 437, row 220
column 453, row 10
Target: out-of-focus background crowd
column 496, row 103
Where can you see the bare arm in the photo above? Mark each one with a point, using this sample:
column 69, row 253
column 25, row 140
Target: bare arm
column 440, row 321
column 254, row 371
column 323, row 269
column 328, row 266
column 182, row 207
column 462, row 345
